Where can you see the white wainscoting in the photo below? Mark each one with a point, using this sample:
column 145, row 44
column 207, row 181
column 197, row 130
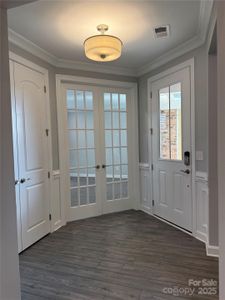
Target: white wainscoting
column 202, row 206
column 56, row 203
column 146, row 188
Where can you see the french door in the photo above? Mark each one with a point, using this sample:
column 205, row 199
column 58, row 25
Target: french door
column 97, row 154
column 171, row 148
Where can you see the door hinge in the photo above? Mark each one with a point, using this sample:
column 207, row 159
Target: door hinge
column 45, row 89
column 151, row 95
column 151, row 130
column 48, row 174
column 152, row 167
column 153, row 202
column 50, row 217
column 46, row 132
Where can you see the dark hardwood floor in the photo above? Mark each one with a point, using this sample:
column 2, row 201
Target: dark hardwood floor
column 127, row 255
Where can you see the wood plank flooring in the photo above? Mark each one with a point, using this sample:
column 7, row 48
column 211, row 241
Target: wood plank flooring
column 128, row 255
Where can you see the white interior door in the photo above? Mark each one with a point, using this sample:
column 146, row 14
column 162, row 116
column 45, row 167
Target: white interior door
column 96, row 156
column 171, row 148
column 30, row 144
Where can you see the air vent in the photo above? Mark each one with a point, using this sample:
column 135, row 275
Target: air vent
column 162, row 31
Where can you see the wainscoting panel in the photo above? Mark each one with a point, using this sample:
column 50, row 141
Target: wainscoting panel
column 56, row 204
column 202, row 205
column 145, row 188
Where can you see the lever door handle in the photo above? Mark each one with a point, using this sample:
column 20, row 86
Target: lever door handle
column 22, row 180
column 97, row 167
column 187, row 171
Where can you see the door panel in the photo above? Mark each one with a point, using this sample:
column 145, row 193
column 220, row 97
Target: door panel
column 83, row 151
column 171, row 138
column 32, row 153
column 16, row 158
column 115, row 146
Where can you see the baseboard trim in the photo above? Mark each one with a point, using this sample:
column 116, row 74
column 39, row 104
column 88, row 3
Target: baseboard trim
column 201, row 236
column 212, row 250
column 167, row 222
column 146, row 209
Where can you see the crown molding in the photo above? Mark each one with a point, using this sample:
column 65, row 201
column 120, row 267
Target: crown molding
column 195, row 42
column 25, row 44
column 170, row 55
column 211, row 28
column 101, row 68
column 32, row 48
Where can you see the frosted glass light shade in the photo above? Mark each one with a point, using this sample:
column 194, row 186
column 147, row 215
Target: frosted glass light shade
column 103, row 48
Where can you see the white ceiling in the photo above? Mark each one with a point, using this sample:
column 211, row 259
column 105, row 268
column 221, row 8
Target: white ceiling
column 60, row 27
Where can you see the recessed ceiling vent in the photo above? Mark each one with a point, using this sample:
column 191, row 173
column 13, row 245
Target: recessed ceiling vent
column 162, row 31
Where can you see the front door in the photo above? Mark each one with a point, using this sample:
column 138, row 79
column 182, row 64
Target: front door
column 96, row 150
column 31, row 153
column 171, row 148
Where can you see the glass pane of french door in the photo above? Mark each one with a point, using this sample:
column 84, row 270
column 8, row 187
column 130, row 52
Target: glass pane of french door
column 116, row 146
column 81, row 142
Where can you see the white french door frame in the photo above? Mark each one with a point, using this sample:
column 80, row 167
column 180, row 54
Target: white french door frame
column 187, row 64
column 22, row 61
column 76, row 80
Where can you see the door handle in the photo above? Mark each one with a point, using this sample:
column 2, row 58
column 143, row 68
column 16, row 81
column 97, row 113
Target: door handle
column 16, row 181
column 187, row 171
column 103, row 166
column 97, row 167
column 22, row 180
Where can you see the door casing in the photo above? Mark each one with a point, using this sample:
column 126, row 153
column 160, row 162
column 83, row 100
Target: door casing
column 132, row 87
column 187, row 64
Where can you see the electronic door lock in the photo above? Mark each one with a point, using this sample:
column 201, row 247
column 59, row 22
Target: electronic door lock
column 187, row 158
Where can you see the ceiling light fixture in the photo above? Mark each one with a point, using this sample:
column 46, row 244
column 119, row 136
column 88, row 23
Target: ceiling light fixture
column 103, row 47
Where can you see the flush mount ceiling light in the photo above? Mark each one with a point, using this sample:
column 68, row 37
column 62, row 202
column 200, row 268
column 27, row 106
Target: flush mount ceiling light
column 103, row 47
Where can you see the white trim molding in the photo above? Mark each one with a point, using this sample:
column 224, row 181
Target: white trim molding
column 195, row 42
column 212, row 250
column 56, row 206
column 145, row 188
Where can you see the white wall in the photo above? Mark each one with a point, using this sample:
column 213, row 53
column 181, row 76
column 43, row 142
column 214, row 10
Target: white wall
column 9, row 262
